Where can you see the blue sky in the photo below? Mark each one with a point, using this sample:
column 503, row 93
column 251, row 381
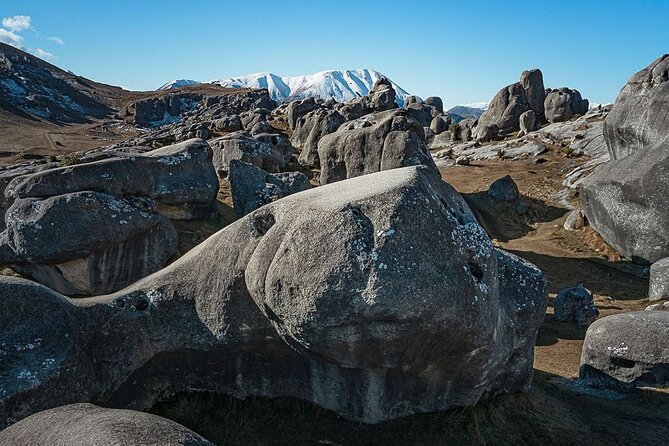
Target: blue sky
column 460, row 50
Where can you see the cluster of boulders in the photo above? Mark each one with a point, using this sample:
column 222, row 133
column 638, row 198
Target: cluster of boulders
column 376, row 297
column 175, row 116
column 96, row 227
column 625, row 200
column 524, row 105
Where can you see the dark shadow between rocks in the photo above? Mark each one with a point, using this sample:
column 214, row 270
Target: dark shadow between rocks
column 502, row 221
column 614, row 279
column 548, row 414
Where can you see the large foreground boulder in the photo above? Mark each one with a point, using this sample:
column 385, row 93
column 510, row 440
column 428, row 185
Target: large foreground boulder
column 375, row 297
column 640, row 117
column 375, row 142
column 90, row 425
column 627, row 350
column 625, row 200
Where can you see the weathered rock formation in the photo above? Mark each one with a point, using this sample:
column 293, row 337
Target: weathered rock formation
column 626, row 200
column 503, row 114
column 97, row 227
column 252, row 187
column 375, row 142
column 376, row 297
column 563, row 104
column 627, row 350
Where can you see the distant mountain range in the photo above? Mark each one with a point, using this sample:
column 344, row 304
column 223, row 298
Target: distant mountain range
column 473, row 110
column 342, row 85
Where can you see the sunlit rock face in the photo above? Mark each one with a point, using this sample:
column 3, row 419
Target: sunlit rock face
column 376, row 297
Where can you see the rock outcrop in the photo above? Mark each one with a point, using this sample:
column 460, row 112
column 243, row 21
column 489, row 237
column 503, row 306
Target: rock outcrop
column 504, row 189
column 627, row 350
column 242, row 146
column 575, row 305
column 97, row 227
column 563, row 104
column 180, row 178
column 310, row 129
column 252, row 187
column 89, row 425
column 376, row 297
column 510, row 103
column 640, row 117
column 659, row 280
column 375, row 142
column 625, row 200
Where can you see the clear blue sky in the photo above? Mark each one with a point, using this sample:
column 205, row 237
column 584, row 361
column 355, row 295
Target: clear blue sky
column 463, row 51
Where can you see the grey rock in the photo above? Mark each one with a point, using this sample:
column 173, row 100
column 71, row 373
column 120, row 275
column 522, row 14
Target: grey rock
column 659, row 280
column 575, row 221
column 486, row 133
column 640, row 117
column 440, row 124
column 380, row 141
column 562, row 104
column 297, row 109
column 228, row 124
column 435, row 102
column 89, row 425
column 86, row 242
column 511, row 102
column 504, row 189
column 625, row 201
column 528, row 122
column 625, row 351
column 575, row 305
column 532, row 82
column 520, row 284
column 252, row 187
column 322, row 295
column 411, row 99
column 242, row 146
column 463, row 160
column 310, row 129
column 179, row 177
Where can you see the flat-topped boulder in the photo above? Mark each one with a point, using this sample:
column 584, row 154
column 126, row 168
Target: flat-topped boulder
column 375, row 297
column 380, row 141
column 179, row 177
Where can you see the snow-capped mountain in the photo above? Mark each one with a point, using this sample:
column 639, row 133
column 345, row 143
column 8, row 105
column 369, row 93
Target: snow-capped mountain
column 178, row 83
column 474, row 109
column 341, row 85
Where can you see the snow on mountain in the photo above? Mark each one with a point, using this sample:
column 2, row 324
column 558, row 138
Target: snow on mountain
column 341, row 85
column 178, row 83
column 474, row 109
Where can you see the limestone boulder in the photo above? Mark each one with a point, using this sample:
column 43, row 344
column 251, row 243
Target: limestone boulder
column 375, row 142
column 375, row 297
